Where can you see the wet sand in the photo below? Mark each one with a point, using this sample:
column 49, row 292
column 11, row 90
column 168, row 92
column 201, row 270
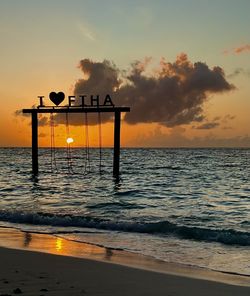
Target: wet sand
column 98, row 271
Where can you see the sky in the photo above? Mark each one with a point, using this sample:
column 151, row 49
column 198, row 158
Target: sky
column 182, row 66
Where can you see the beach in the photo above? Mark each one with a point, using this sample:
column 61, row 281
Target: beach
column 81, row 269
column 45, row 274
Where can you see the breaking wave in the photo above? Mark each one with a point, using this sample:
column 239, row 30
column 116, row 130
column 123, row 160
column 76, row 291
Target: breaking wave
column 224, row 236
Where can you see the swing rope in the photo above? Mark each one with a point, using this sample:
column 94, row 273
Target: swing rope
column 100, row 141
column 87, row 155
column 69, row 158
column 87, row 167
column 52, row 144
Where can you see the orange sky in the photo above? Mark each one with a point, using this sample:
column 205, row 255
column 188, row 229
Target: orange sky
column 40, row 55
column 16, row 130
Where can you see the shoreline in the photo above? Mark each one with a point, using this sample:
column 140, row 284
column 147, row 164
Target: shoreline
column 13, row 239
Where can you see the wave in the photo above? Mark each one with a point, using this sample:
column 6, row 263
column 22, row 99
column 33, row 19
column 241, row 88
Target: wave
column 169, row 167
column 114, row 205
column 225, row 236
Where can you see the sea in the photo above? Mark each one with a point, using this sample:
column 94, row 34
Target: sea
column 184, row 206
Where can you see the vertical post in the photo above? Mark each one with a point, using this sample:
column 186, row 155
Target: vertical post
column 34, row 125
column 117, row 129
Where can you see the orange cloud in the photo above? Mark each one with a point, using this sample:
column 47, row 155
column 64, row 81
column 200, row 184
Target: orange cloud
column 172, row 95
column 241, row 49
column 244, row 48
column 238, row 50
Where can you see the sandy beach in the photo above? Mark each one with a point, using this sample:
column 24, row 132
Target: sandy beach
column 101, row 272
column 32, row 273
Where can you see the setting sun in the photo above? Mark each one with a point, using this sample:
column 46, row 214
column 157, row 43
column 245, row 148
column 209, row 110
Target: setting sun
column 70, row 140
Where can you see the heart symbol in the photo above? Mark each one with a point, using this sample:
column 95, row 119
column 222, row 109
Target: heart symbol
column 56, row 98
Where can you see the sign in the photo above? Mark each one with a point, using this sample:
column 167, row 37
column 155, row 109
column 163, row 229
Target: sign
column 84, row 100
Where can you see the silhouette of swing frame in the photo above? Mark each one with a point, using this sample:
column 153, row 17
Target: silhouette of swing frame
column 99, row 109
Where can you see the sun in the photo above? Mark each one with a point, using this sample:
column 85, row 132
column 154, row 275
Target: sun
column 70, row 140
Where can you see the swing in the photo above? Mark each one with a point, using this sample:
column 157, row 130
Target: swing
column 86, row 148
column 53, row 160
column 69, row 140
column 100, row 141
column 53, row 163
column 87, row 166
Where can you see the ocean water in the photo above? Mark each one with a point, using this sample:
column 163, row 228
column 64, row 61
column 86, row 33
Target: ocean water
column 187, row 206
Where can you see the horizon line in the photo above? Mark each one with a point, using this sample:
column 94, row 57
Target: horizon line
column 134, row 147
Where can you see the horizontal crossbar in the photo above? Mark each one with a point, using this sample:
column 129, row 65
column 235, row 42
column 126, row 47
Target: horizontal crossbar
column 77, row 110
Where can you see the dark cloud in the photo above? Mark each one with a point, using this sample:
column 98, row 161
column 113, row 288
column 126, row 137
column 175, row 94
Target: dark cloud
column 235, row 73
column 173, row 94
column 217, row 121
column 239, row 71
column 100, row 78
column 227, row 118
column 19, row 112
column 42, row 121
column 208, row 125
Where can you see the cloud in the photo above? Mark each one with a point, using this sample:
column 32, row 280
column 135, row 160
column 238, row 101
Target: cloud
column 86, row 31
column 42, row 120
column 98, row 78
column 241, row 49
column 19, row 112
column 239, row 71
column 216, row 122
column 177, row 95
column 208, row 125
column 227, row 118
column 235, row 73
column 177, row 138
column 238, row 50
column 173, row 94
